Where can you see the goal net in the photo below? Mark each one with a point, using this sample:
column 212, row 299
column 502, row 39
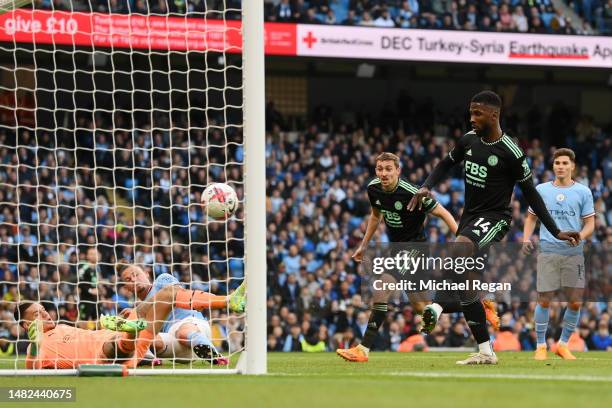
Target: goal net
column 114, row 117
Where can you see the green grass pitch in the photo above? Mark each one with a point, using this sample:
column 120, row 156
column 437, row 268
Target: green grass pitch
column 389, row 380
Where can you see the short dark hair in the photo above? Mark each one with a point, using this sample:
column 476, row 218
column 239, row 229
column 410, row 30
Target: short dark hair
column 21, row 309
column 122, row 265
column 565, row 152
column 488, row 98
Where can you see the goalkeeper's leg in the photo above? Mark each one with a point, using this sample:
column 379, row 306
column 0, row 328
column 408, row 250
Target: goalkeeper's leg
column 123, row 345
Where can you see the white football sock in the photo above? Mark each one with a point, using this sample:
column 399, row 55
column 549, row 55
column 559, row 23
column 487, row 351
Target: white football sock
column 485, row 348
column 364, row 348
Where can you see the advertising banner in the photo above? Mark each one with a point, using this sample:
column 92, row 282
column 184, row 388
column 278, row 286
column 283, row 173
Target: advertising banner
column 138, row 32
column 196, row 34
column 454, row 46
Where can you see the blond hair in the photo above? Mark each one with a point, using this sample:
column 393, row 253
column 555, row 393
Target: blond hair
column 386, row 156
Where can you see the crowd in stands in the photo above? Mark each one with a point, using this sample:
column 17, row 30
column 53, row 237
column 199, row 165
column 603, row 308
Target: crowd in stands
column 523, row 16
column 61, row 195
column 533, row 16
column 317, row 211
column 229, row 9
column 598, row 13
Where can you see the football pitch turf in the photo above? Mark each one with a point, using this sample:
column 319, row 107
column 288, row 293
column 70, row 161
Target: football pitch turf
column 298, row 380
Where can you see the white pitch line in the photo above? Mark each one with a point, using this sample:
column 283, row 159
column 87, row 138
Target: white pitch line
column 435, row 374
column 554, row 377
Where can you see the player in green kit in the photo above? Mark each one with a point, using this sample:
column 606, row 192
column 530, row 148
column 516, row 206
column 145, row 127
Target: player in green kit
column 493, row 164
column 389, row 195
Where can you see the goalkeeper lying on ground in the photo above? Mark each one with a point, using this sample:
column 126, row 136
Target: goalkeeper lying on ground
column 121, row 341
column 185, row 335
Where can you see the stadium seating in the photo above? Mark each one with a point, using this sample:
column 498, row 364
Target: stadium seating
column 316, row 206
column 483, row 15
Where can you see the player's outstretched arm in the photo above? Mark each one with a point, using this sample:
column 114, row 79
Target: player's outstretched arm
column 539, row 208
column 438, row 173
column 31, row 361
column 373, row 222
column 442, row 213
column 35, row 330
column 528, row 228
column 588, row 227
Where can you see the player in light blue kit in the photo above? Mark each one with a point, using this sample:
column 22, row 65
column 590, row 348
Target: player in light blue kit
column 186, row 333
column 560, row 265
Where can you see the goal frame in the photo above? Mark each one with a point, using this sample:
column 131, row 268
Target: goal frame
column 254, row 117
column 253, row 359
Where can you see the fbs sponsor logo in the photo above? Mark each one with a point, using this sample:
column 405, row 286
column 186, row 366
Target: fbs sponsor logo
column 392, row 219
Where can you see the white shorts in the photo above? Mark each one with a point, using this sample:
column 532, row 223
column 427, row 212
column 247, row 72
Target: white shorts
column 560, row 271
column 173, row 348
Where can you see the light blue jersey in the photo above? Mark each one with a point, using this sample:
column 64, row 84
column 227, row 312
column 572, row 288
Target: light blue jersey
column 163, row 280
column 567, row 206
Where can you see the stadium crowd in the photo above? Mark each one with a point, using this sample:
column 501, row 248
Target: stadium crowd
column 317, row 209
column 58, row 199
column 533, row 16
column 63, row 194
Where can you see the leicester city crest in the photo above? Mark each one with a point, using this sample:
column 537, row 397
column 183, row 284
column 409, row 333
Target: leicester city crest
column 492, row 160
column 398, row 205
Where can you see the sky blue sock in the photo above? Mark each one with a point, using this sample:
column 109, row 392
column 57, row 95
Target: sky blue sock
column 541, row 323
column 198, row 338
column 570, row 320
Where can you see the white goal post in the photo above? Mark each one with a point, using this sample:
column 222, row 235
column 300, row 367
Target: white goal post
column 112, row 122
column 255, row 185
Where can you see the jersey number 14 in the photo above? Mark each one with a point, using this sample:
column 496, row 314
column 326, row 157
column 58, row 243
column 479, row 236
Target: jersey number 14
column 484, row 226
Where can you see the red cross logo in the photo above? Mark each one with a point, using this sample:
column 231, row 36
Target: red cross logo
column 309, row 39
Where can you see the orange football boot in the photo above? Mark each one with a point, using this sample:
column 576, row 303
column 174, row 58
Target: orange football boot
column 564, row 353
column 355, row 354
column 491, row 312
column 541, row 353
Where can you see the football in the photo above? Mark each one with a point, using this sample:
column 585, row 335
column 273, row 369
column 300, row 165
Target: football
column 219, row 201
